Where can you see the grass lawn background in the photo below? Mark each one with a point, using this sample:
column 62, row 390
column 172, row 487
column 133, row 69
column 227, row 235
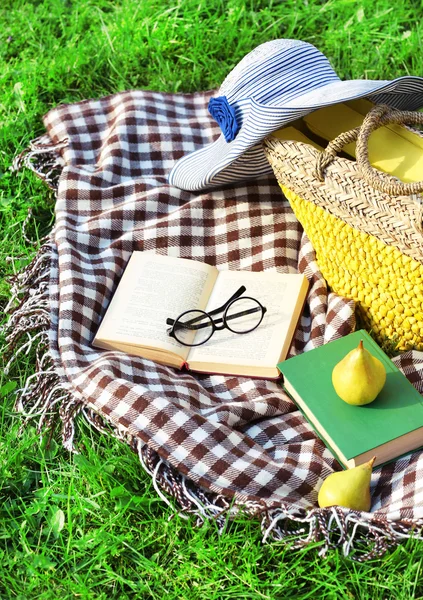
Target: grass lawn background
column 91, row 525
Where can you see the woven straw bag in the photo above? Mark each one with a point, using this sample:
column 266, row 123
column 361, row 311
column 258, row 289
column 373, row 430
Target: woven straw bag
column 366, row 227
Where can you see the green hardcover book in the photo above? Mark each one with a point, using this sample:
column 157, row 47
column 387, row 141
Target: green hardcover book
column 388, row 427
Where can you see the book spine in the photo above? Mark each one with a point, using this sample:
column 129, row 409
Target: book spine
column 319, row 434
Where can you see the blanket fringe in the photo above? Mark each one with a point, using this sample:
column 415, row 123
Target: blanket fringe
column 332, row 528
column 47, row 399
column 43, row 158
column 44, row 396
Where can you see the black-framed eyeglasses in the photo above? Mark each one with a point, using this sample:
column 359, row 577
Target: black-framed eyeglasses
column 240, row 315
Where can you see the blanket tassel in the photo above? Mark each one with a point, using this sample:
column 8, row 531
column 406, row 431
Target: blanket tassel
column 43, row 158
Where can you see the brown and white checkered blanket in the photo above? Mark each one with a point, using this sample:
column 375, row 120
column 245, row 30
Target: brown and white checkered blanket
column 217, row 445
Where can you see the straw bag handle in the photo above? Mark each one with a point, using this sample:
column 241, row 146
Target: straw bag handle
column 377, row 117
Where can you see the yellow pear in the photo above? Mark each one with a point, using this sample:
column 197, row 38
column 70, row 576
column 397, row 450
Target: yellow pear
column 358, row 377
column 349, row 488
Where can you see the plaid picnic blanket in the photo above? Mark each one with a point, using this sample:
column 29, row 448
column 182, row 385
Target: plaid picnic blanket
column 215, row 445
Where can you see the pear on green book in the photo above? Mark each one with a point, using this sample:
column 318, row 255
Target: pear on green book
column 350, row 488
column 359, row 377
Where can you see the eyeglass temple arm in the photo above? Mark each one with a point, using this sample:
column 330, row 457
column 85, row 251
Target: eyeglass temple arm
column 250, row 311
column 237, row 294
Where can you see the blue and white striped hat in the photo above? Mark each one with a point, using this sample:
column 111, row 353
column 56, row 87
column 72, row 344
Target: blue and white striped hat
column 275, row 84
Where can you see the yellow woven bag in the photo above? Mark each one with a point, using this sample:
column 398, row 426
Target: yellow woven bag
column 366, row 226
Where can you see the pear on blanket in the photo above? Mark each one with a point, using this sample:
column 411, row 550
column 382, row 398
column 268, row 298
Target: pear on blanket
column 350, row 488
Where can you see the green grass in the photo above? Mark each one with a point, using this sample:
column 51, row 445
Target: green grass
column 91, row 525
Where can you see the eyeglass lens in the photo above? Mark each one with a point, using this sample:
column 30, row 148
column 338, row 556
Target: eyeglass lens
column 193, row 328
column 243, row 315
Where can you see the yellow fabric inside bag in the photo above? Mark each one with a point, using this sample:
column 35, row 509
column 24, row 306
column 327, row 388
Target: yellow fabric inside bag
column 292, row 133
column 363, row 106
column 392, row 149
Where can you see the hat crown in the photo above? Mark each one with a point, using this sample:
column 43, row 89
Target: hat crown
column 270, row 65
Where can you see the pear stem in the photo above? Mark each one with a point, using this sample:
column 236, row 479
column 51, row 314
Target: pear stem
column 360, row 345
column 371, row 461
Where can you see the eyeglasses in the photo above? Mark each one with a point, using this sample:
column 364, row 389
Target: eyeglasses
column 195, row 327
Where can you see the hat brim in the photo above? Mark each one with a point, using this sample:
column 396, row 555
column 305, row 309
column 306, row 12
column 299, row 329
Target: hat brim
column 221, row 163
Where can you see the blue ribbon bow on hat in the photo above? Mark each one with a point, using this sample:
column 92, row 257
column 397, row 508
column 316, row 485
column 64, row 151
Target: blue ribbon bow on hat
column 224, row 114
column 275, row 84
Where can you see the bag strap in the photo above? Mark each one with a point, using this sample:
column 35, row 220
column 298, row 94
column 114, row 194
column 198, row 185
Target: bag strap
column 377, row 117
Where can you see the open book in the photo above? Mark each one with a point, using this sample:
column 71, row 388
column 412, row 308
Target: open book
column 155, row 288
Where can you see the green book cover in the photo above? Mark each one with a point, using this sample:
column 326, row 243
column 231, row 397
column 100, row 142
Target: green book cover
column 350, row 431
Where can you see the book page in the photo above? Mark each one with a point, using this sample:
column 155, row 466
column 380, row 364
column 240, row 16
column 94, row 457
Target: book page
column 279, row 293
column 153, row 288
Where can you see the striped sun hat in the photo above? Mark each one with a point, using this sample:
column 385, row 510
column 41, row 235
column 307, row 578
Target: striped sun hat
column 275, row 84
